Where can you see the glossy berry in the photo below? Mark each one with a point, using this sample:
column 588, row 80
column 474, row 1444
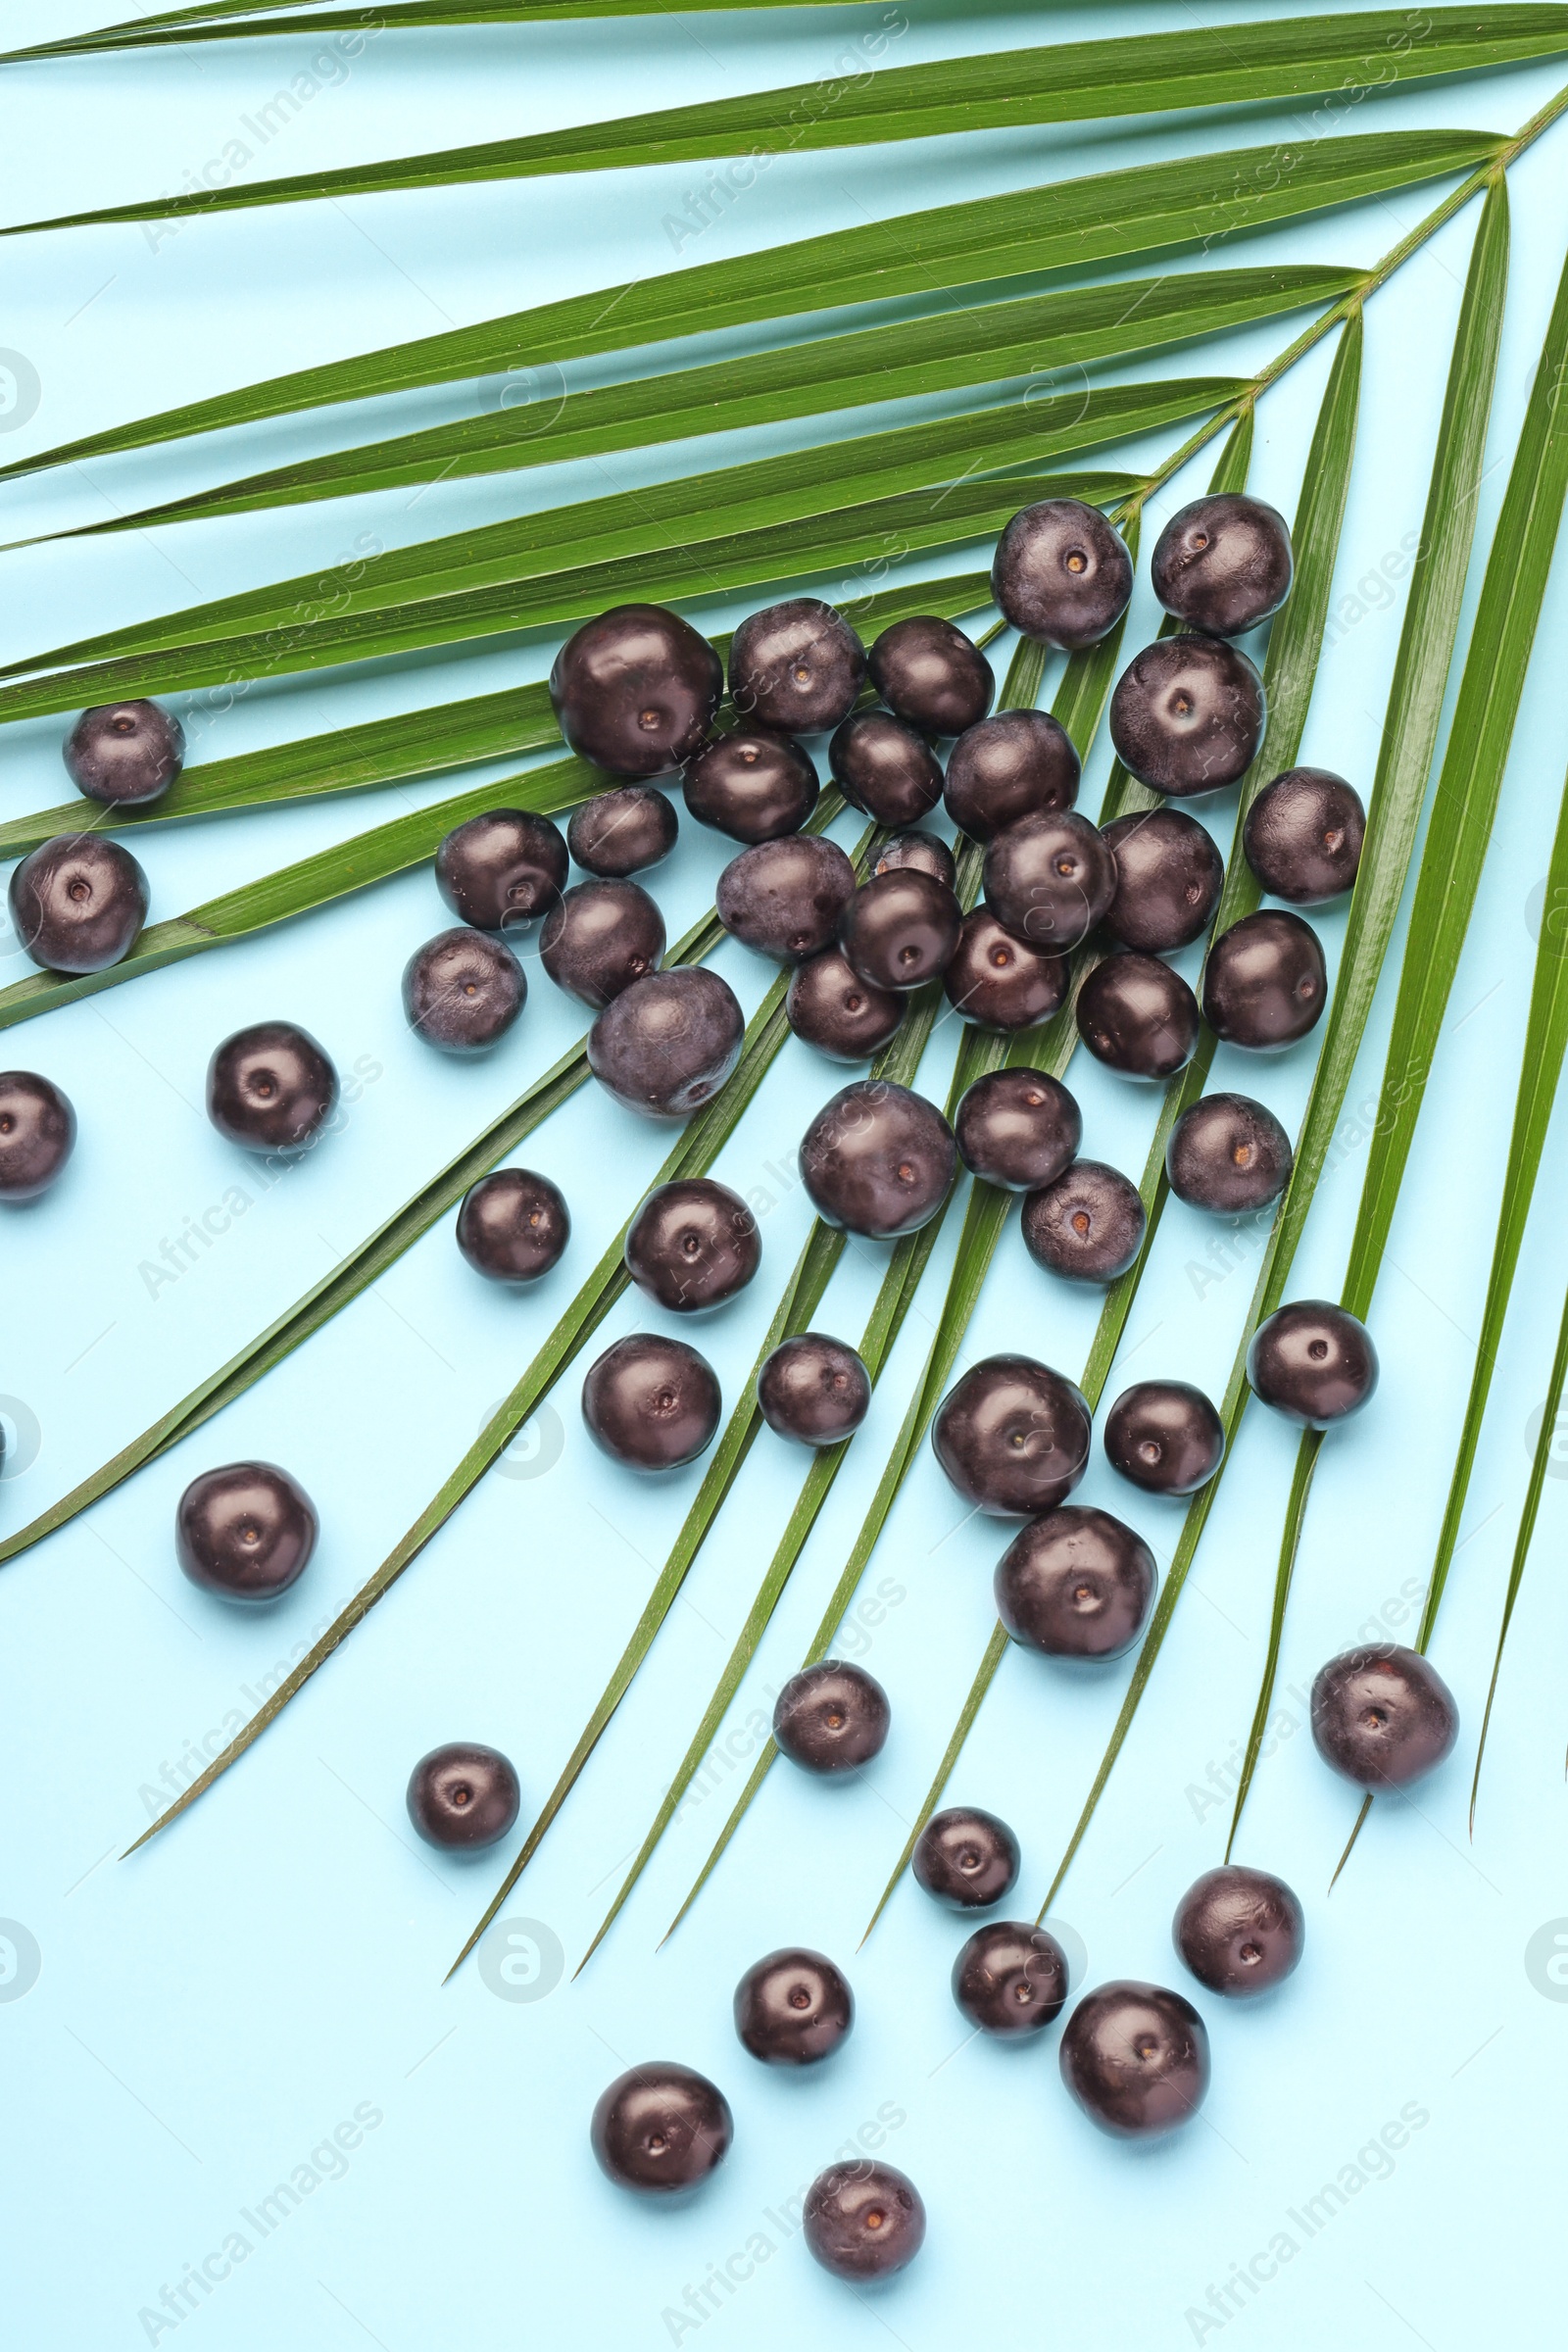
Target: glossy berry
column 623, row 832
column 831, row 1008
column 1012, row 1437
column 692, row 1244
column 798, row 665
column 650, row 1404
column 666, row 1045
column 999, row 982
column 37, row 1134
column 463, row 991
column 270, row 1088
column 877, row 1159
column 1302, row 836
column 1223, row 564
column 1062, row 574
column 514, row 1225
column 884, row 768
column 1382, row 1716
column 635, row 690
column 929, row 672
column 1076, row 1584
column 1169, row 875
column 792, row 2008
column 1088, row 1225
column 900, row 929
column 1017, row 1128
column 922, row 851
column 815, row 1390
column 1228, row 1154
column 1313, row 1362
column 753, row 785
column 660, row 2129
column 1241, row 1932
column 78, row 902
column 464, row 1797
column 831, row 1717
column 1018, row 764
column 966, row 1858
column 1135, row 1015
column 1165, row 1436
column 785, row 897
column 864, row 2220
column 1187, row 715
column 1011, row 1979
column 1265, row 983
column 1135, row 2057
column 1049, row 879
column 125, row 754
column 502, row 870
column 600, row 937
column 245, row 1531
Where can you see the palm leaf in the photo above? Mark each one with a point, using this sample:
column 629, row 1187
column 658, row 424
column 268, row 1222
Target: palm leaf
column 238, row 19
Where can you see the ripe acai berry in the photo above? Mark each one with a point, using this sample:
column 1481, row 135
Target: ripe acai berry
column 966, row 1858
column 999, row 982
column 37, row 1134
column 692, row 1244
column 78, row 902
column 877, row 1159
column 665, row 1045
column 1088, row 1225
column 864, row 2220
column 900, row 929
column 598, row 937
column 1169, row 875
column 922, row 851
column 270, row 1088
column 650, row 1404
column 929, row 672
column 635, row 690
column 1228, row 1154
column 1165, row 1436
column 1241, row 1932
column 463, row 1796
column 1187, row 715
column 815, row 1390
column 1135, row 1015
column 1017, row 1128
column 503, row 869
column 753, row 785
column 660, row 2129
column 623, row 832
column 829, row 1005
column 798, row 665
column 514, row 1225
column 463, row 991
column 1012, row 1437
column 246, row 1531
column 1076, row 1584
column 1302, row 836
column 784, row 898
column 1223, row 564
column 1135, row 2057
column 792, row 2008
column 1011, row 1979
column 1383, row 1715
column 125, row 754
column 1049, row 879
column 1018, row 764
column 1265, row 983
column 831, row 1717
column 1062, row 574
column 1313, row 1362
column 884, row 768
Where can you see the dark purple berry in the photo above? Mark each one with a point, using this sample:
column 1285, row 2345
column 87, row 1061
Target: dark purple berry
column 815, row 1390
column 635, row 691
column 1313, row 1362
column 929, row 672
column 864, row 2220
column 1135, row 1015
column 270, row 1088
column 650, row 1404
column 1165, row 1436
column 831, row 1717
column 514, row 1225
column 37, row 1134
column 1241, row 1932
column 245, row 1531
column 125, row 754
column 1223, row 564
column 1012, row 1437
column 1265, row 983
column 785, row 897
column 924, row 851
column 1017, row 1128
column 463, row 991
column 623, row 832
column 660, row 2129
column 665, row 1045
column 884, row 769
column 1049, row 879
column 999, row 982
column 1382, row 1716
column 966, row 1858
column 1088, row 1225
column 502, row 870
column 1135, row 2057
column 1011, row 1979
column 798, row 665
column 1076, row 1584
column 692, row 1244
column 878, row 1160
column 900, row 929
column 1018, row 763
column 1169, row 875
column 1062, row 574
column 78, row 902
column 1187, row 715
column 1302, row 836
column 464, row 1797
column 1228, row 1154
column 600, row 937
column 793, row 2009
column 753, row 785
column 831, row 1008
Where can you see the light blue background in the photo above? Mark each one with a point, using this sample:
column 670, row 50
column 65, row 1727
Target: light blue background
column 207, row 2014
